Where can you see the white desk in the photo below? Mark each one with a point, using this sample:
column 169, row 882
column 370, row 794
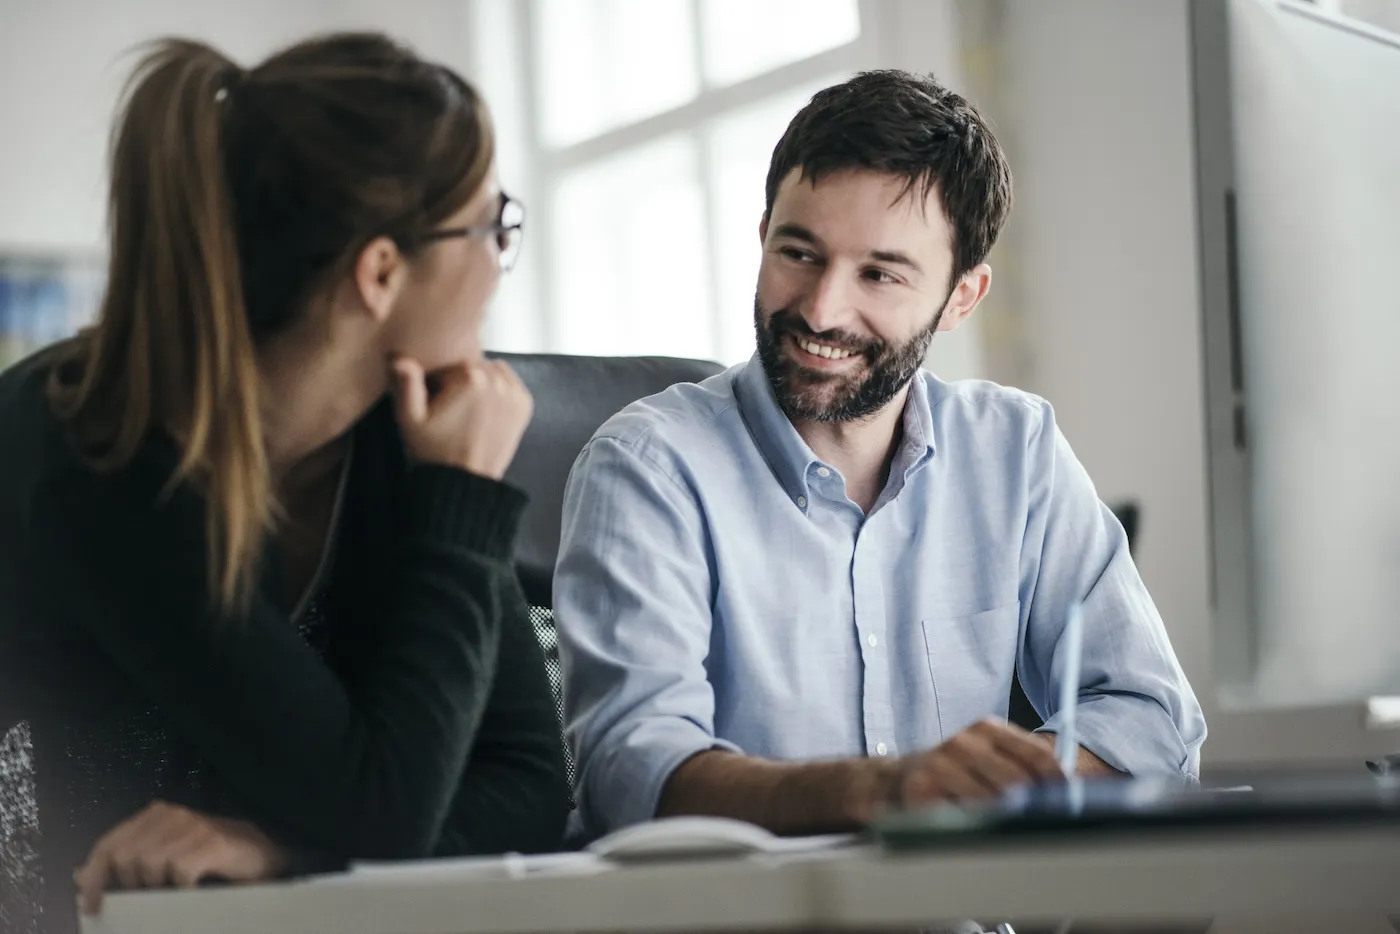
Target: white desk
column 1280, row 882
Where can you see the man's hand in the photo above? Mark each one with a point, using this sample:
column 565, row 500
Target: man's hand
column 165, row 844
column 980, row 762
column 845, row 794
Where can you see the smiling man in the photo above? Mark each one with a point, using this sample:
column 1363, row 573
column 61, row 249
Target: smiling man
column 797, row 593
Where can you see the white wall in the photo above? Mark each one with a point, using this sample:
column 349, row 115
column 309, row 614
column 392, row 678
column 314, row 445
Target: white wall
column 1093, row 100
column 62, row 65
column 1098, row 117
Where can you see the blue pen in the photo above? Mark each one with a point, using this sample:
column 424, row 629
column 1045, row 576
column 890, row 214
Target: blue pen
column 1066, row 742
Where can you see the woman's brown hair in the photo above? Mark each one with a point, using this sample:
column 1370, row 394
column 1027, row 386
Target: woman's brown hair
column 236, row 197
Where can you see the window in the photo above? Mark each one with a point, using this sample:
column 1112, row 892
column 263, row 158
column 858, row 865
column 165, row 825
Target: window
column 628, row 241
column 591, row 54
column 742, row 38
column 1377, row 14
column 650, row 125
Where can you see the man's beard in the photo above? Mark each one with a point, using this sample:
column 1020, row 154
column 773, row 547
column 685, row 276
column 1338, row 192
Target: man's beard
column 811, row 395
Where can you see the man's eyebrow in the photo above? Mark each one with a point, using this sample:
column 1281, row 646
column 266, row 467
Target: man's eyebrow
column 894, row 257
column 897, row 258
column 796, row 232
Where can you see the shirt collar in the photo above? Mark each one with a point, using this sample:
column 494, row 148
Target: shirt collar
column 782, row 447
column 788, row 455
column 917, row 446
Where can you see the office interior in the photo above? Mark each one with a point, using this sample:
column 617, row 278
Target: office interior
column 1195, row 272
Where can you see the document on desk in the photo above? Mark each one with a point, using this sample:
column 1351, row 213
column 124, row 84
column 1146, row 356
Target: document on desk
column 789, row 846
column 509, row 866
column 517, row 866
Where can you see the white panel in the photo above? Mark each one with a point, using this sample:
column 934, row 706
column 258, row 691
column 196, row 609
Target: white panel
column 62, row 63
column 1317, row 139
column 1100, row 266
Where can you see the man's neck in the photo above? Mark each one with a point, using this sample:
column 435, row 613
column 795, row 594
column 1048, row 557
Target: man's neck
column 861, row 450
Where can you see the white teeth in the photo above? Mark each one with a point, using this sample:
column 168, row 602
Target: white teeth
column 822, row 350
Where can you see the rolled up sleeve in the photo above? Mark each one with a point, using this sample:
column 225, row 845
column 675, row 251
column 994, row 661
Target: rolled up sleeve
column 1136, row 710
column 632, row 604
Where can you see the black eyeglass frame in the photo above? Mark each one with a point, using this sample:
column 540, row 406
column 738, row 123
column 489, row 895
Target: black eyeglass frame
column 506, row 235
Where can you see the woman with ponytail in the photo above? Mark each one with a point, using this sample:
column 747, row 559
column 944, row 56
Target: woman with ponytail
column 256, row 597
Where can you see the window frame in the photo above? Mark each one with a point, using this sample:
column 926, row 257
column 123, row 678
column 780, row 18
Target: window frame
column 550, row 164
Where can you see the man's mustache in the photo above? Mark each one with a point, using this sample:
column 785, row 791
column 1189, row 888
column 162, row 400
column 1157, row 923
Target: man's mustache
column 784, row 321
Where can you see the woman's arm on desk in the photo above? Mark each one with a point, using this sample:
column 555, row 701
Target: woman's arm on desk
column 514, row 796
column 368, row 768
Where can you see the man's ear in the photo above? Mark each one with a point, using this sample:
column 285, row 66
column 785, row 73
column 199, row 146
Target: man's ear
column 762, row 229
column 379, row 275
column 967, row 295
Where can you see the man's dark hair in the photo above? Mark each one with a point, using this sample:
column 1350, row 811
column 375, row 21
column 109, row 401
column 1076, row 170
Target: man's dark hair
column 906, row 125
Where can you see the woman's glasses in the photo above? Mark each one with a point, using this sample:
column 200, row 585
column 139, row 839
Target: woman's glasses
column 507, row 231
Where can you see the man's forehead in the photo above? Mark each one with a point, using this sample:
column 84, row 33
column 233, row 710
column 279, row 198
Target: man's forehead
column 860, row 195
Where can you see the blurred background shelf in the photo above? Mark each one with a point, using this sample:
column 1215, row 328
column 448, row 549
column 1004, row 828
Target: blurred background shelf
column 44, row 296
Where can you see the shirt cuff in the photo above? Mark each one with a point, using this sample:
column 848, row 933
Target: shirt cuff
column 623, row 785
column 1131, row 734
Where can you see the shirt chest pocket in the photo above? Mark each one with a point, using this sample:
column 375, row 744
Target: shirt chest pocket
column 971, row 660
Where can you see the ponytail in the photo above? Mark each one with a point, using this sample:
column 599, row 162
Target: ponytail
column 236, row 199
column 172, row 350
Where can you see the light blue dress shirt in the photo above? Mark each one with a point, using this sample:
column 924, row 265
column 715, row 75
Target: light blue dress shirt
column 716, row 588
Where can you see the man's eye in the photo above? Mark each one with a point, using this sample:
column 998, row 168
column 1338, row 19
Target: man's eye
column 880, row 276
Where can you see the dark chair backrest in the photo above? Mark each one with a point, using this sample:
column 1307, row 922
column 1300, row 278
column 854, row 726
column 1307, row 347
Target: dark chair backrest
column 574, row 396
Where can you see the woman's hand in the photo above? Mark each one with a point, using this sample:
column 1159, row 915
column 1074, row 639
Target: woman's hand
column 473, row 417
column 165, row 844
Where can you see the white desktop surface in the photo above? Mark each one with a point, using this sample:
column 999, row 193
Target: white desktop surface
column 1278, row 881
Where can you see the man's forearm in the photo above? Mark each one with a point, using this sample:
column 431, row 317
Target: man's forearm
column 783, row 797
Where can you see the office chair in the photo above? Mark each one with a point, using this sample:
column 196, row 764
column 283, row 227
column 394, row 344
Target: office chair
column 573, row 397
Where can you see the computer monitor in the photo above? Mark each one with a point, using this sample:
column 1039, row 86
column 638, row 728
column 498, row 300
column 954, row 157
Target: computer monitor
column 1299, row 171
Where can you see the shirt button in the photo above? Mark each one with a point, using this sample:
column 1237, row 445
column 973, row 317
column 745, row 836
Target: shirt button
column 881, row 749
column 823, row 472
column 801, row 502
column 872, row 641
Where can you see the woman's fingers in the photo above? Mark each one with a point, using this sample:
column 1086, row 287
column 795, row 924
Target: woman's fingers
column 166, row 844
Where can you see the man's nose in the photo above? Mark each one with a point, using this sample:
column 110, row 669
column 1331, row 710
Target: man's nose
column 830, row 305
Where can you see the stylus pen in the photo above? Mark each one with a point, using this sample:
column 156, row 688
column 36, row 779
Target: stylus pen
column 1066, row 741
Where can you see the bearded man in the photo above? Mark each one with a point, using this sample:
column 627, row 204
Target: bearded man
column 797, row 593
